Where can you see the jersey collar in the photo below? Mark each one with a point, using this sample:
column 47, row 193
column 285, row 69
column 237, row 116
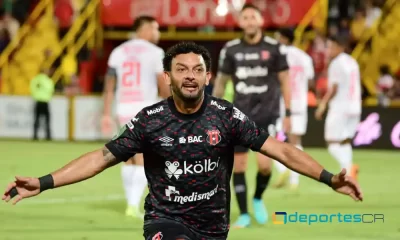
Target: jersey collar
column 191, row 116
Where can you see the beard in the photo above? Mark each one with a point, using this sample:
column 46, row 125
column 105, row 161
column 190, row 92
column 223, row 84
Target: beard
column 187, row 96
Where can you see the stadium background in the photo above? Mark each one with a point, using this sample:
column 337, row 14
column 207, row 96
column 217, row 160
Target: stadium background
column 73, row 39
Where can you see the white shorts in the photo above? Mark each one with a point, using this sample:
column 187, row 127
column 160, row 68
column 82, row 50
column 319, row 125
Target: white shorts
column 339, row 126
column 298, row 123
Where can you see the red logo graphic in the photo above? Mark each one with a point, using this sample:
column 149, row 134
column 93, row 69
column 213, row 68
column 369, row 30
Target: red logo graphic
column 213, row 137
column 264, row 55
column 158, row 236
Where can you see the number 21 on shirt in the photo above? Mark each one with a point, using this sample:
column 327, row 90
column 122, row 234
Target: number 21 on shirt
column 131, row 74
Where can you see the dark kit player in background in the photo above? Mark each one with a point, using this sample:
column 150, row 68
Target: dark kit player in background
column 259, row 70
column 187, row 143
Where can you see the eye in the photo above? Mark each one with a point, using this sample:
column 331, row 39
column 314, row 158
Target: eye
column 180, row 69
column 199, row 70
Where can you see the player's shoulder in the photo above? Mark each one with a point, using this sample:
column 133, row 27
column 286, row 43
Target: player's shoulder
column 154, row 110
column 233, row 43
column 219, row 104
column 274, row 46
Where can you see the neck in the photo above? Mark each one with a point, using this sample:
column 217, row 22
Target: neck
column 187, row 107
column 255, row 39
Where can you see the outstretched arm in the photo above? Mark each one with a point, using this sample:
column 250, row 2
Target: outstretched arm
column 80, row 169
column 247, row 134
column 84, row 167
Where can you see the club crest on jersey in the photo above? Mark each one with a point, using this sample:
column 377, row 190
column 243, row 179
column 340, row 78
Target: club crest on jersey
column 265, row 55
column 213, row 137
column 158, row 236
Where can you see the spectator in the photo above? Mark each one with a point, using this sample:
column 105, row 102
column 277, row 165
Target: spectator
column 344, row 28
column 358, row 25
column 9, row 22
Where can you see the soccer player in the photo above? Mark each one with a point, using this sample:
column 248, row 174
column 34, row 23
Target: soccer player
column 344, row 99
column 258, row 68
column 301, row 72
column 188, row 144
column 135, row 70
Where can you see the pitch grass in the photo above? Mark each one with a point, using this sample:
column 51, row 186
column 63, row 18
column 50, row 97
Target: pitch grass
column 93, row 210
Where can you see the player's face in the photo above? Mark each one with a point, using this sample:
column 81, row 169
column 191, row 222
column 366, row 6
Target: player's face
column 188, row 77
column 333, row 49
column 251, row 21
column 152, row 31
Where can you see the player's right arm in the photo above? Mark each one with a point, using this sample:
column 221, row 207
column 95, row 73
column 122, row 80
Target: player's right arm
column 125, row 145
column 225, row 71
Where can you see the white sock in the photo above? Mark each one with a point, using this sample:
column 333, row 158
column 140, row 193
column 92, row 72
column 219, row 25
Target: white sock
column 294, row 176
column 343, row 154
column 126, row 173
column 280, row 167
column 139, row 183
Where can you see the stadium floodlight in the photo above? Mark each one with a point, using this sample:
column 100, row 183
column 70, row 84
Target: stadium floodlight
column 222, row 8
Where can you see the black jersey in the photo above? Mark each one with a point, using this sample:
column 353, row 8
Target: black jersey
column 254, row 70
column 188, row 160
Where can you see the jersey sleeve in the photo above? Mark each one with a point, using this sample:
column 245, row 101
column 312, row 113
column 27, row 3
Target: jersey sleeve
column 226, row 62
column 113, row 59
column 159, row 61
column 245, row 131
column 310, row 68
column 281, row 63
column 130, row 139
column 334, row 76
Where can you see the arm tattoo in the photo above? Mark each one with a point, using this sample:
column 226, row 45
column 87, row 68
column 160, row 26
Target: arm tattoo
column 108, row 156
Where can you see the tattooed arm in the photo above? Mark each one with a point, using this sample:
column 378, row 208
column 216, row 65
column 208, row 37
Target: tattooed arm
column 84, row 167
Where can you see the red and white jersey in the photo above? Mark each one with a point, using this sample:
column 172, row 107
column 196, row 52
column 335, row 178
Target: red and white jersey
column 137, row 63
column 345, row 72
column 301, row 70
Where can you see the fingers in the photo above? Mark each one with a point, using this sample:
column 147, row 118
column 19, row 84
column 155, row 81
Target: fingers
column 7, row 191
column 342, row 173
column 22, row 179
column 355, row 188
column 17, row 199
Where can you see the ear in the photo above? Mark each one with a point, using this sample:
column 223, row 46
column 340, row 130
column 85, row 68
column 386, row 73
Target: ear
column 208, row 77
column 167, row 78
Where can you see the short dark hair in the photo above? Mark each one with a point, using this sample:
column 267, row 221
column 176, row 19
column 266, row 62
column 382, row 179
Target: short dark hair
column 250, row 6
column 139, row 21
column 184, row 48
column 287, row 33
column 340, row 40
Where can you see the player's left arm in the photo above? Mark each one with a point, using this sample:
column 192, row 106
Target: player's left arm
column 247, row 134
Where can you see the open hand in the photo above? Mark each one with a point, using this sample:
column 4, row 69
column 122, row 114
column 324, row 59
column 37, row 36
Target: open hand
column 344, row 184
column 26, row 187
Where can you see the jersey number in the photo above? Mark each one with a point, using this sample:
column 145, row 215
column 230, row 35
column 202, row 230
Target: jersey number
column 131, row 74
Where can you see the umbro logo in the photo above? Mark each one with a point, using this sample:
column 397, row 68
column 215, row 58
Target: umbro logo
column 167, row 141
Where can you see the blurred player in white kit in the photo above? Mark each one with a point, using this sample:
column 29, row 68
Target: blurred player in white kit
column 344, row 99
column 301, row 71
column 135, row 73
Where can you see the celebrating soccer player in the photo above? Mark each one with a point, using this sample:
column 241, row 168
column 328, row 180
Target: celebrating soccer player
column 188, row 143
column 344, row 98
column 301, row 72
column 259, row 70
column 135, row 67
